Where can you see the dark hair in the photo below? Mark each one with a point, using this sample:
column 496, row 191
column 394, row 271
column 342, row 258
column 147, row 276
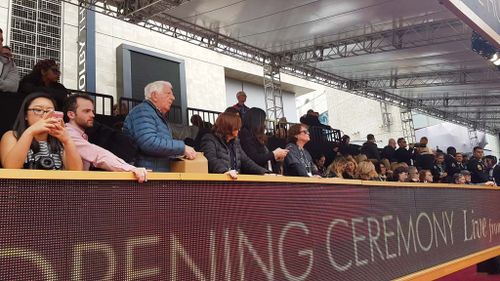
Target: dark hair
column 7, row 47
column 226, row 123
column 293, row 131
column 400, row 140
column 232, row 110
column 71, row 101
column 451, row 150
column 439, row 154
column 21, row 124
column 476, row 148
column 370, row 137
column 254, row 121
column 345, row 138
column 1, row 31
column 43, row 65
column 399, row 170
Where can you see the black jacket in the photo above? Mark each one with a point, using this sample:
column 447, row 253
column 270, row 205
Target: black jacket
column 388, row 153
column 403, row 155
column 32, row 83
column 257, row 151
column 370, row 150
column 478, row 171
column 297, row 162
column 217, row 152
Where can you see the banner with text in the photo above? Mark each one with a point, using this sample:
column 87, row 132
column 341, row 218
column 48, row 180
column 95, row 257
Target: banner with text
column 188, row 230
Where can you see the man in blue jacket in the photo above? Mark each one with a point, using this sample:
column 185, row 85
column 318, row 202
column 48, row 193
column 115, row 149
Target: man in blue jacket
column 147, row 125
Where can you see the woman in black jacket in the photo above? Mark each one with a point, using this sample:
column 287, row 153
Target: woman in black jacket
column 223, row 151
column 253, row 141
column 44, row 78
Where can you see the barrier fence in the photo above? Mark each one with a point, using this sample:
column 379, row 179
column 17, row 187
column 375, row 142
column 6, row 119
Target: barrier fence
column 100, row 226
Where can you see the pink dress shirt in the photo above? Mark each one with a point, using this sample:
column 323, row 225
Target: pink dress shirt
column 94, row 154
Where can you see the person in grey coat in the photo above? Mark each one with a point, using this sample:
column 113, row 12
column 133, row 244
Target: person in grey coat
column 9, row 75
column 298, row 161
column 223, row 150
column 147, row 126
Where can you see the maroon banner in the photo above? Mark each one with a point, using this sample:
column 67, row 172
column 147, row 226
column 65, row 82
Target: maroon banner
column 187, row 230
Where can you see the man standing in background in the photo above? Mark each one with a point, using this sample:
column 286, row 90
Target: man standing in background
column 9, row 76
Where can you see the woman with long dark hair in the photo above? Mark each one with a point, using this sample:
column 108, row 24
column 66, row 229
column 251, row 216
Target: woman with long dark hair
column 253, row 140
column 45, row 78
column 223, row 150
column 39, row 139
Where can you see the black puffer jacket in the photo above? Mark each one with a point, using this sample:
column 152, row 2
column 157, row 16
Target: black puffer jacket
column 219, row 160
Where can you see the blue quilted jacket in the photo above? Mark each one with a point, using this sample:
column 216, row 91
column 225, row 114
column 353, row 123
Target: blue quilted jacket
column 150, row 131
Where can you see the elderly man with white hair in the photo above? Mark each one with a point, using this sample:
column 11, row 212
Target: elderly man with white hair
column 147, row 125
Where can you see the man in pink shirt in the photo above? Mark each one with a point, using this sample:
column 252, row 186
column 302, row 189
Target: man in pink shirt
column 80, row 110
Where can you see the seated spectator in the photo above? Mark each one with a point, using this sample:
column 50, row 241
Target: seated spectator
column 346, row 148
column 389, row 151
column 403, row 154
column 79, row 109
column 439, row 168
column 203, row 128
column 298, row 161
column 360, row 158
column 425, row 176
column 44, row 78
column 147, row 126
column 400, row 174
column 253, row 140
column 223, row 150
column 467, row 176
column 39, row 139
column 197, row 121
column 423, row 147
column 370, row 149
column 350, row 168
column 9, row 74
column 413, row 175
column 459, row 178
column 319, row 165
column 382, row 171
column 337, row 168
column 455, row 165
column 366, row 171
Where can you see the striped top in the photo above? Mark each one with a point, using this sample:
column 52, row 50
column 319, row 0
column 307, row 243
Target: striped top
column 44, row 159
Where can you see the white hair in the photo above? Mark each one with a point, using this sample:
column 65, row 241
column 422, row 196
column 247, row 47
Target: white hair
column 156, row 86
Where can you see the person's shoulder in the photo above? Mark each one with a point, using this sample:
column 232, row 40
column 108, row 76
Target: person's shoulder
column 9, row 135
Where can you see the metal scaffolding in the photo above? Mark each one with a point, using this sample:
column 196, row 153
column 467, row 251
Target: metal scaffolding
column 272, row 90
column 401, row 36
column 436, row 78
column 407, row 125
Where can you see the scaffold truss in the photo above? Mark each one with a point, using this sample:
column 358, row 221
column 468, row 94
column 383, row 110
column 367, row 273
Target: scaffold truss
column 153, row 15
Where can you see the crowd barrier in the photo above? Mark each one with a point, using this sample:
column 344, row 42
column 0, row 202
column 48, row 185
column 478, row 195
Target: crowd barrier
column 63, row 225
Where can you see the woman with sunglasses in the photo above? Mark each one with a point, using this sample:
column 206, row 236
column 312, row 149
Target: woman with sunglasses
column 298, row 161
column 39, row 139
column 44, row 78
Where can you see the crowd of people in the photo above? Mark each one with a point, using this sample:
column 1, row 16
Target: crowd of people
column 236, row 143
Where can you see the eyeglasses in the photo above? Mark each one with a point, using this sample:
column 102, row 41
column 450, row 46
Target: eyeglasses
column 39, row 111
column 305, row 132
column 55, row 70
